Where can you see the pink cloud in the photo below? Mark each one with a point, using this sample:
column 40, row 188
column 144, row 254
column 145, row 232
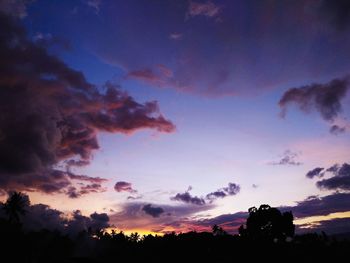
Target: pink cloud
column 159, row 75
column 124, row 187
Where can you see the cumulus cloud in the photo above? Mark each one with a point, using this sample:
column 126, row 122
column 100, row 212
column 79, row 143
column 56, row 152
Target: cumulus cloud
column 40, row 216
column 152, row 211
column 186, row 197
column 316, row 172
column 94, row 223
column 59, row 116
column 340, row 179
column 122, row 186
column 231, row 189
column 288, row 158
column 325, row 98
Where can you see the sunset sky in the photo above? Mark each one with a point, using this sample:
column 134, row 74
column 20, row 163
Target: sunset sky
column 177, row 115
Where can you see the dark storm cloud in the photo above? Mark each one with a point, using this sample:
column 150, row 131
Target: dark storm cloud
column 340, row 179
column 315, row 172
column 186, row 197
column 124, row 187
column 51, row 115
column 152, row 211
column 337, row 13
column 288, row 158
column 325, row 98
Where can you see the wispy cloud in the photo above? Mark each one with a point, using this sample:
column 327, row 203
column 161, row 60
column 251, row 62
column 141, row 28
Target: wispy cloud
column 208, row 9
column 175, row 36
column 95, row 4
column 287, row 158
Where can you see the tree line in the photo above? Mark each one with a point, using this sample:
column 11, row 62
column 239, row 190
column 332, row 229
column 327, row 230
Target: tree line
column 267, row 235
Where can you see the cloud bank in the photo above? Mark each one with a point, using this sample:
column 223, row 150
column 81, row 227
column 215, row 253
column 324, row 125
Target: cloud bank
column 51, row 116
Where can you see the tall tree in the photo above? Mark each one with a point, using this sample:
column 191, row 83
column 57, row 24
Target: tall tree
column 15, row 206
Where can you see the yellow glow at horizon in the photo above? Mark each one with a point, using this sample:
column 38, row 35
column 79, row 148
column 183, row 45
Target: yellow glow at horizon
column 315, row 219
column 141, row 232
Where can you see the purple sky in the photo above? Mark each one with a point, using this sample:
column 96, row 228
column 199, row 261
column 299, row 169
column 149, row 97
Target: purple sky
column 173, row 115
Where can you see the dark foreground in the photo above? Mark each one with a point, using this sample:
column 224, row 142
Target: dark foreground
column 47, row 246
column 267, row 236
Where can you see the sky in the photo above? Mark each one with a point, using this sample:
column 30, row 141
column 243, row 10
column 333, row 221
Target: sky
column 177, row 115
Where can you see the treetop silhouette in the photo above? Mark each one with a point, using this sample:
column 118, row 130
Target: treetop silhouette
column 268, row 223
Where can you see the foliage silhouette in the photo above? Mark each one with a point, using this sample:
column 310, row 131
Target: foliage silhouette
column 255, row 242
column 15, row 206
column 268, row 223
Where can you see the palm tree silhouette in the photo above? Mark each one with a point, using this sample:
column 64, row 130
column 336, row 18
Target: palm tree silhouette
column 15, row 206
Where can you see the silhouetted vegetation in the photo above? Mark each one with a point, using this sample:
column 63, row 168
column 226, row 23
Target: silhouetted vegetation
column 268, row 224
column 268, row 235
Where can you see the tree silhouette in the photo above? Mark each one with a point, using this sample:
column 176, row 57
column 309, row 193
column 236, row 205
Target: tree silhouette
column 218, row 231
column 263, row 224
column 268, row 223
column 15, row 206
